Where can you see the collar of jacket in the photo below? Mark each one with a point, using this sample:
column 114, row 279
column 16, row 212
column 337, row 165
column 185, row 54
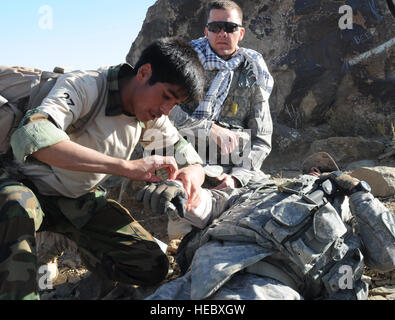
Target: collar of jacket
column 114, row 78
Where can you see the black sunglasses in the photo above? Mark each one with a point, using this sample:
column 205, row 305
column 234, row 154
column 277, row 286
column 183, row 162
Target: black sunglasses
column 217, row 26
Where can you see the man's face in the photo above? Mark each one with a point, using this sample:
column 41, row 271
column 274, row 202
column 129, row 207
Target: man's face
column 149, row 102
column 224, row 44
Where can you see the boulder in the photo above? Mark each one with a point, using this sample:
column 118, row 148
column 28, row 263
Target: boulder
column 324, row 73
column 380, row 178
column 359, row 164
column 348, row 149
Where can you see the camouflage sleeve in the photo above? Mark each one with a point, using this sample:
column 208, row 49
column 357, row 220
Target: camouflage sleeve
column 377, row 229
column 161, row 136
column 185, row 153
column 261, row 127
column 187, row 124
column 35, row 132
column 224, row 199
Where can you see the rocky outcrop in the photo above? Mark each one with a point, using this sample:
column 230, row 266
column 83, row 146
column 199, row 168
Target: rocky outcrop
column 329, row 81
column 381, row 179
column 348, row 149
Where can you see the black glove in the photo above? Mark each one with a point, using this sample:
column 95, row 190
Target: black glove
column 158, row 197
column 342, row 181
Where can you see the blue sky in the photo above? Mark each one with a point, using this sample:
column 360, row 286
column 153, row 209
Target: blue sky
column 82, row 34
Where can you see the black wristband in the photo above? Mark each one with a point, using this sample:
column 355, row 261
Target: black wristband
column 361, row 186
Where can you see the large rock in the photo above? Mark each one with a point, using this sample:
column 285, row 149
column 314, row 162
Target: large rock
column 380, row 178
column 329, row 83
column 348, row 149
column 320, row 73
column 359, row 164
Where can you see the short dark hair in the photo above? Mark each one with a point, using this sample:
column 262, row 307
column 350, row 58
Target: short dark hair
column 224, row 5
column 174, row 61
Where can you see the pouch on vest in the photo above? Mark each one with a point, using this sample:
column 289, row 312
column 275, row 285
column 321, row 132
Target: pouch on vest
column 310, row 246
column 288, row 216
column 304, row 231
column 346, row 274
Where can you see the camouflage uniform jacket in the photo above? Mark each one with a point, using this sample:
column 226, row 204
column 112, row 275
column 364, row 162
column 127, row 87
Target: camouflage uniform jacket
column 246, row 107
column 307, row 246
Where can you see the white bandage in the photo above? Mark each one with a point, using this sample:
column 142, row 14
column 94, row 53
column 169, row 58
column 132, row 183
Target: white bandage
column 199, row 217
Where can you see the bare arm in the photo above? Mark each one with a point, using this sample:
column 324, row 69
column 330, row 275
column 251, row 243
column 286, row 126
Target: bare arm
column 72, row 156
column 226, row 139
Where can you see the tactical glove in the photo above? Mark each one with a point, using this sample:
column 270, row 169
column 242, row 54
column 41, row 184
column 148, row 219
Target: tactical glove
column 343, row 182
column 159, row 197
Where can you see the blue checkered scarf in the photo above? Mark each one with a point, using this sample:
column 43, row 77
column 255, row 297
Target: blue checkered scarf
column 210, row 107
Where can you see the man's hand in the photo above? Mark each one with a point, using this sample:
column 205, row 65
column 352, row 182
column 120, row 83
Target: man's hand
column 158, row 197
column 226, row 139
column 143, row 169
column 343, row 182
column 227, row 182
column 192, row 177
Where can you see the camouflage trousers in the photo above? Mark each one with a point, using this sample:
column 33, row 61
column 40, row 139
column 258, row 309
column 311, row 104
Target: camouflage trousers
column 111, row 243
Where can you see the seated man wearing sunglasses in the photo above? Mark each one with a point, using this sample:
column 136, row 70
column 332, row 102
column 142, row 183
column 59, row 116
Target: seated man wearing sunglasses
column 236, row 102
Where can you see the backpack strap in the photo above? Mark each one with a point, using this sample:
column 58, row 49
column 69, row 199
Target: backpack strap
column 41, row 87
column 18, row 113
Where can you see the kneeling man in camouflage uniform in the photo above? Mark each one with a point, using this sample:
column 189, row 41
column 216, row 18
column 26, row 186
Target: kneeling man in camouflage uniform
column 60, row 173
column 308, row 239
